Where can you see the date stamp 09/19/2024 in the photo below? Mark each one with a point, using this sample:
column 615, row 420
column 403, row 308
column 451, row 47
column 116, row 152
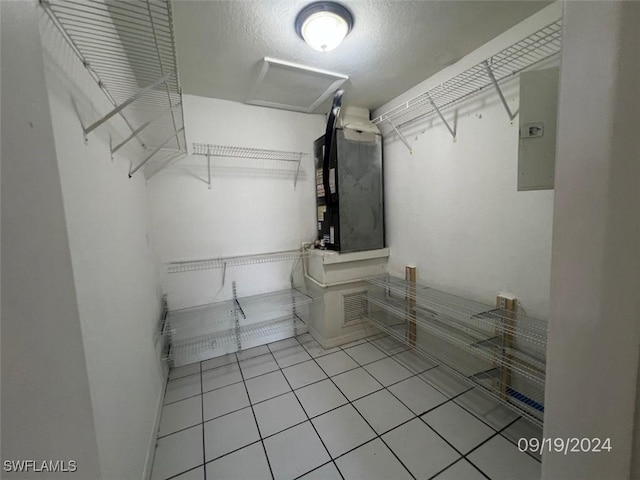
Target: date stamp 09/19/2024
column 565, row 446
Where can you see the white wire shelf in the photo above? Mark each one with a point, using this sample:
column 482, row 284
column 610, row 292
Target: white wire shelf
column 232, row 336
column 183, row 266
column 527, row 400
column 463, row 340
column 220, row 315
column 226, row 151
column 524, row 54
column 247, row 152
column 466, row 314
column 128, row 48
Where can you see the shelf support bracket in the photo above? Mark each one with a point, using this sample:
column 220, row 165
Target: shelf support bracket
column 404, row 140
column 209, row 172
column 497, row 87
column 446, row 124
column 126, row 103
column 236, row 317
column 295, row 179
column 152, row 154
column 140, row 129
column 224, row 272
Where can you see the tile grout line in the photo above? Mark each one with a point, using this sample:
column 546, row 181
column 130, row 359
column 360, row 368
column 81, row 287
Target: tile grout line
column 309, row 420
column 519, row 416
column 419, row 416
column 349, row 402
column 318, row 468
column 377, row 436
column 204, row 451
column 255, row 419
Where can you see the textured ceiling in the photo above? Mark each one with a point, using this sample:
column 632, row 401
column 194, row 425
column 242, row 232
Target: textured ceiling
column 393, row 46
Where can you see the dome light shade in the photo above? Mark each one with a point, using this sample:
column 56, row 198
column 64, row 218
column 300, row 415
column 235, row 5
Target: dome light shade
column 324, row 25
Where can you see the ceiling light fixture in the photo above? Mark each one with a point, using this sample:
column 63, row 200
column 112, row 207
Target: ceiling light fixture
column 324, row 25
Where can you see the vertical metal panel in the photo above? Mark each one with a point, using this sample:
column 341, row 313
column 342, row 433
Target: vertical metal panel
column 538, row 116
column 360, row 190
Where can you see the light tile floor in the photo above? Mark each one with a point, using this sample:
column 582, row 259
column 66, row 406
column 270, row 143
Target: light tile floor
column 368, row 410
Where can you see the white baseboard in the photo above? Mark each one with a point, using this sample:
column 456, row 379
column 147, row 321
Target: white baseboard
column 151, row 450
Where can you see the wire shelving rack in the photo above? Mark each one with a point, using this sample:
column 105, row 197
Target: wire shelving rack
column 498, row 350
column 128, row 48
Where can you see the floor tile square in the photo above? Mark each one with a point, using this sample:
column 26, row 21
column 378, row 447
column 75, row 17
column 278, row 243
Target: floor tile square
column 523, row 428
column 267, row 386
column 356, row 383
column 387, row 371
column 365, row 353
column 353, row 344
column 182, row 388
column 219, row 361
column 372, row 461
column 303, row 374
column 336, row 363
column 320, row 397
column 461, row 470
column 228, row 433
column 342, row 430
column 304, row 338
column 193, row 474
column 500, row 459
column 253, row 352
column 290, row 356
column 282, row 344
column 389, row 345
column 177, row 453
column 419, row 396
column 180, row 415
column 221, row 377
column 414, row 361
column 295, row 452
column 458, row 427
column 486, row 408
column 327, row 472
column 446, row 382
column 250, row 463
column 224, row 400
column 254, row 366
column 314, row 349
column 420, row 449
column 279, row 413
column 191, row 369
column 383, row 411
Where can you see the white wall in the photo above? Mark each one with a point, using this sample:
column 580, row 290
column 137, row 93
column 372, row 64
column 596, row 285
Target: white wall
column 592, row 362
column 46, row 401
column 453, row 209
column 252, row 206
column 114, row 264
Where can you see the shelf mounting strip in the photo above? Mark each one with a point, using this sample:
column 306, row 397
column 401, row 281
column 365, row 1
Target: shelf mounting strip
column 526, row 53
column 128, row 49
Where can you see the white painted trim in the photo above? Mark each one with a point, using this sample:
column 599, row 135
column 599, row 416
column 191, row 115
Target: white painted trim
column 151, row 449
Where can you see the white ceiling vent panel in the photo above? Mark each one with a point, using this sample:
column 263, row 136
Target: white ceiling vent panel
column 291, row 86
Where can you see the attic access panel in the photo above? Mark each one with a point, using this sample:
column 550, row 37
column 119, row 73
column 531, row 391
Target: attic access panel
column 291, row 86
